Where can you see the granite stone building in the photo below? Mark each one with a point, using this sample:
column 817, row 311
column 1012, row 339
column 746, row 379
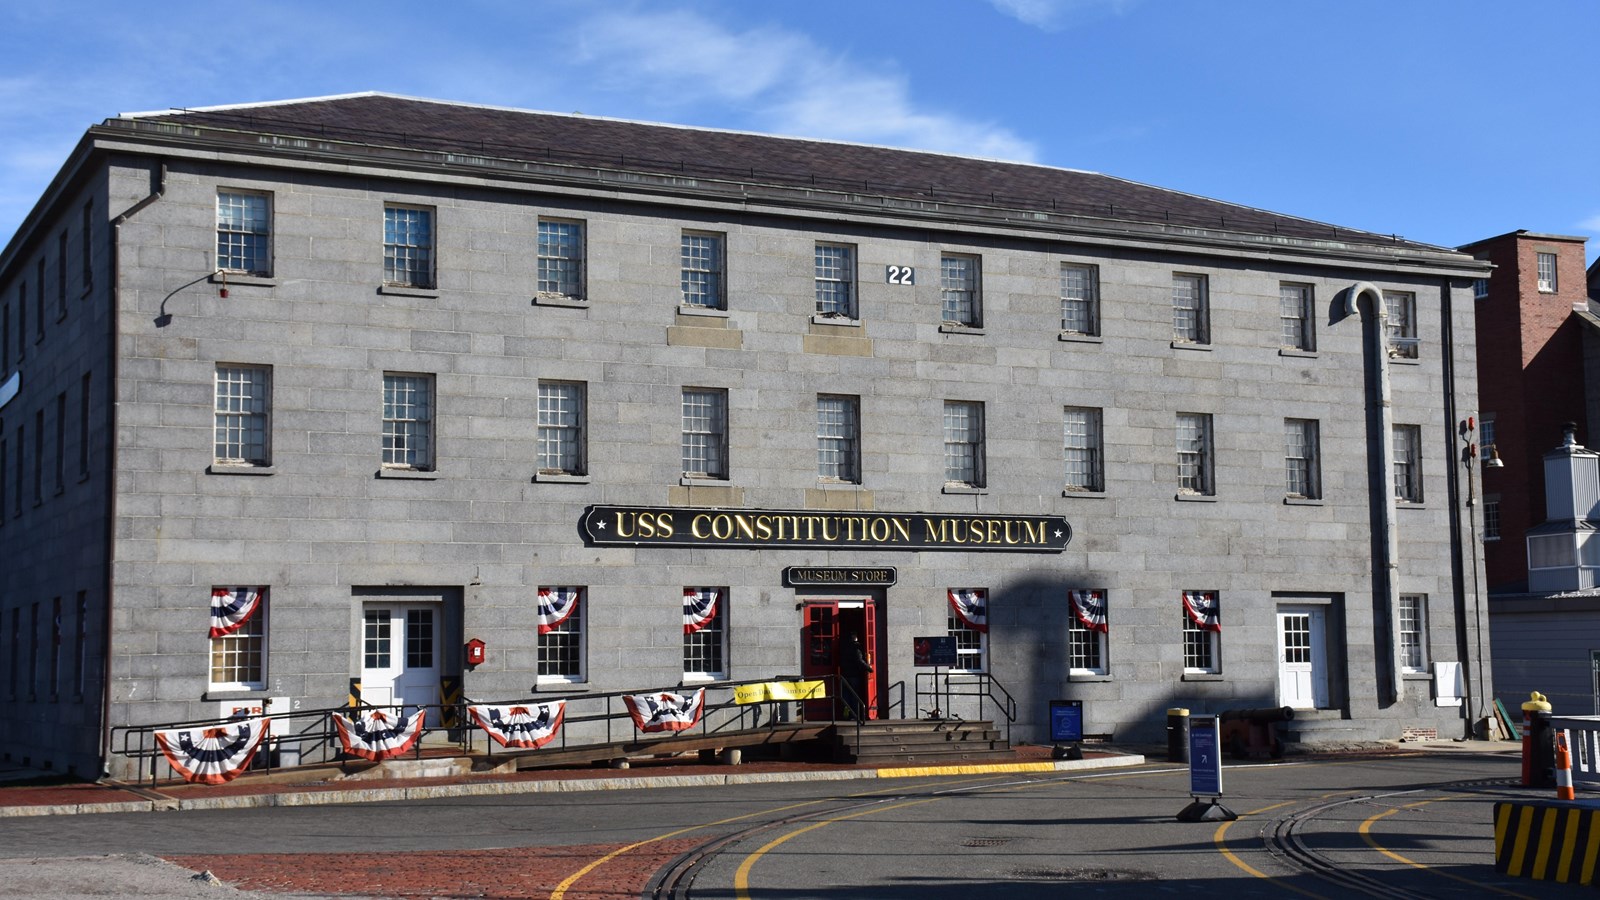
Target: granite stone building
column 398, row 374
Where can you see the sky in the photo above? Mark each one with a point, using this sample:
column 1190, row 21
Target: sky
column 1442, row 121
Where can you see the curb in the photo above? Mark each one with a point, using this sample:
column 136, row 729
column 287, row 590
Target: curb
column 503, row 788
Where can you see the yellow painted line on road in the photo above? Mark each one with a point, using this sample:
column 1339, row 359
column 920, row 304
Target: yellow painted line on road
column 1220, row 838
column 741, row 878
column 976, row 769
column 1366, row 835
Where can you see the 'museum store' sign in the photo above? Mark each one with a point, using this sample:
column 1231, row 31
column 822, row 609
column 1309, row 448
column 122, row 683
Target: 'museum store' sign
column 650, row 526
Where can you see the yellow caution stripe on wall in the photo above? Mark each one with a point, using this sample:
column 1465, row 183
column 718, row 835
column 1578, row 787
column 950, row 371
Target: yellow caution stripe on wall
column 1547, row 841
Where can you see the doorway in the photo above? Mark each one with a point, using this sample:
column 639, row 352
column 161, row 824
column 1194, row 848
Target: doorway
column 1302, row 657
column 827, row 628
column 400, row 656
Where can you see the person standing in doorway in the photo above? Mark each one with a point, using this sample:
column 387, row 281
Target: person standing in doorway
column 854, row 667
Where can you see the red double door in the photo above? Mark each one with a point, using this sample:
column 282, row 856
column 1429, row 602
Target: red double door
column 827, row 627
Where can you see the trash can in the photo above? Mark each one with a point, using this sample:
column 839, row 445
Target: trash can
column 1178, row 735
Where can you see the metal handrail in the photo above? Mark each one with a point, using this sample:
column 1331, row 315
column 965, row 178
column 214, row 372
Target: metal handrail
column 941, row 686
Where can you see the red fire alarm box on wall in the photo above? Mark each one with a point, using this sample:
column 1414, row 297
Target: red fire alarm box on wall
column 475, row 650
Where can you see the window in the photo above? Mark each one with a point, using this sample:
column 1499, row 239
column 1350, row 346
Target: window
column 838, row 439
column 968, row 623
column 1087, row 630
column 80, row 646
column 33, row 651
column 1190, row 310
column 560, row 616
column 241, row 417
column 83, row 428
column 238, row 638
column 244, row 231
column 959, row 277
column 22, row 321
column 408, row 246
column 1491, row 517
column 1400, row 308
column 22, row 452
column 408, row 421
column 963, row 443
column 835, row 280
column 705, row 433
column 4, row 447
column 1297, row 316
column 1194, row 454
column 1202, row 631
column 1486, row 437
column 1408, row 463
column 419, row 638
column 1480, row 288
column 702, row 276
column 38, row 296
column 61, row 442
column 1413, row 632
column 1547, row 272
column 1081, row 449
column 61, row 276
column 561, row 259
column 5, row 339
column 88, row 245
column 16, row 647
column 38, row 456
column 53, row 673
column 561, row 424
column 1080, row 299
column 1302, row 475
column 705, row 632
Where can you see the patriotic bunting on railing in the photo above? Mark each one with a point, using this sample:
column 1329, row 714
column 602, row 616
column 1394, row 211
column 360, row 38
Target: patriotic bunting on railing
column 971, row 606
column 699, row 608
column 212, row 754
column 231, row 608
column 555, row 604
column 378, row 734
column 1090, row 608
column 525, row 727
column 665, row 711
column 1203, row 609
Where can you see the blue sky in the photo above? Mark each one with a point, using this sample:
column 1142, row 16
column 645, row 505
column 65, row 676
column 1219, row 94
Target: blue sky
column 1444, row 121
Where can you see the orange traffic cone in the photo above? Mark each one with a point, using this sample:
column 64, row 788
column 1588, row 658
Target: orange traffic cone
column 1563, row 768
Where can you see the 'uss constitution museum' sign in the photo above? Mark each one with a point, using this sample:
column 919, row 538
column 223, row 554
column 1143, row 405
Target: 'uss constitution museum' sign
column 673, row 526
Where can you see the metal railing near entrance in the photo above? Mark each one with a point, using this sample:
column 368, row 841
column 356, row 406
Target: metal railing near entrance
column 975, row 696
column 1583, row 737
column 308, row 737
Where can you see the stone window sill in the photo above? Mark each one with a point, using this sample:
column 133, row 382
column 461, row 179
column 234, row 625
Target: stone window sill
column 1195, row 498
column 1297, row 353
column 839, row 321
column 964, row 489
column 407, row 290
column 1075, row 337
column 708, row 311
column 1203, row 676
column 1087, row 678
column 958, row 328
column 241, row 279
column 692, row 481
column 408, row 474
column 1084, row 495
column 561, row 300
column 1192, row 345
column 561, row 478
column 225, row 469
column 1302, row 501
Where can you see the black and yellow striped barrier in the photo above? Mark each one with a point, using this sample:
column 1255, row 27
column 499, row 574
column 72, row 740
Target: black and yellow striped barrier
column 449, row 701
column 354, row 700
column 1547, row 841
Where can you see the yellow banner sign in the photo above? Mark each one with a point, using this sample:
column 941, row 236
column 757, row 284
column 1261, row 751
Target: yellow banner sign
column 780, row 690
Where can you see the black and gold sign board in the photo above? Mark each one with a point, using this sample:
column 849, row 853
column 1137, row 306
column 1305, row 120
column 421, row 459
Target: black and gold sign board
column 803, row 576
column 671, row 526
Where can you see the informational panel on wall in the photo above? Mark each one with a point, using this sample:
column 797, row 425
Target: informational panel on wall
column 934, row 651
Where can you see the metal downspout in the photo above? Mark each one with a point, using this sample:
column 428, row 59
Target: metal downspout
column 1389, row 566
column 158, row 178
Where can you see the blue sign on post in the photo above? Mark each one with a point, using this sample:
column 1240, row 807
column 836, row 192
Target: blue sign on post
column 1066, row 720
column 1205, row 757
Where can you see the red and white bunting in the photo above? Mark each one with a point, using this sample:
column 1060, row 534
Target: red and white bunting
column 971, row 605
column 1090, row 608
column 1203, row 609
column 231, row 608
column 699, row 608
column 524, row 727
column 212, row 754
column 555, row 605
column 665, row 711
column 378, row 734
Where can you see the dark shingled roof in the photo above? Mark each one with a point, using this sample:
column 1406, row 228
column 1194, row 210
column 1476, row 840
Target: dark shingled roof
column 427, row 125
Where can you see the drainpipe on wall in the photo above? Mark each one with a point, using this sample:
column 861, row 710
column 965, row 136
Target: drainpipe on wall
column 1387, row 568
column 158, row 187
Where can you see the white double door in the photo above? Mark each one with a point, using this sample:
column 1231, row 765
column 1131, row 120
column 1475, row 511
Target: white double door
column 400, row 656
column 1302, row 657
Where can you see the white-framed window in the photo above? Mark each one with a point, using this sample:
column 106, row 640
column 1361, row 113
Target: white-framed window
column 1081, row 449
column 1080, row 299
column 1413, row 632
column 972, row 639
column 408, row 421
column 1191, row 310
column 705, row 433
column 702, row 280
column 1297, row 316
column 705, row 633
column 1194, row 454
column 560, row 616
column 960, row 277
column 408, row 246
column 243, row 414
column 244, row 232
column 839, row 438
column 1088, row 630
column 1491, row 517
column 963, row 443
column 1485, row 435
column 1480, row 288
column 836, row 280
column 1408, row 463
column 561, row 428
column 239, row 648
column 561, row 258
column 1400, row 310
column 1302, row 459
column 1202, row 632
column 1547, row 272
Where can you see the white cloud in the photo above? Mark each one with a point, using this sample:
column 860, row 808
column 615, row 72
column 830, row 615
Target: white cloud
column 784, row 81
column 1591, row 224
column 1052, row 15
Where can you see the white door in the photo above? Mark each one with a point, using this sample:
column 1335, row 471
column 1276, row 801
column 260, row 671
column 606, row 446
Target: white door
column 399, row 656
column 1302, row 662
